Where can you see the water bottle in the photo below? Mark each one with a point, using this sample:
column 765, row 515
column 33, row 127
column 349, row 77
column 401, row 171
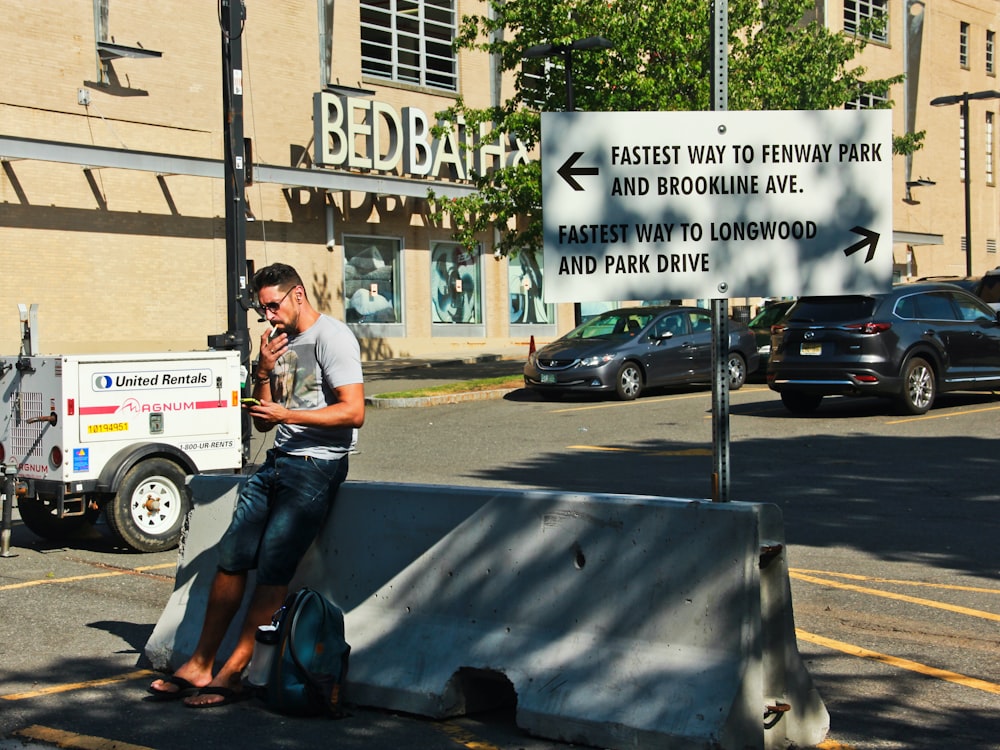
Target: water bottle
column 264, row 645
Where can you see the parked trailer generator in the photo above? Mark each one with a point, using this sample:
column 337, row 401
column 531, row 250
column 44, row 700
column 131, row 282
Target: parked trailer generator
column 117, row 433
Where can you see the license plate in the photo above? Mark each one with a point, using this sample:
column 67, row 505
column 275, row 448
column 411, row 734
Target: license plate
column 548, row 377
column 810, row 350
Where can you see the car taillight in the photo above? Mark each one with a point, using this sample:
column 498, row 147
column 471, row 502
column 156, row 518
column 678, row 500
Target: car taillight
column 778, row 328
column 3, row 454
column 55, row 457
column 869, row 327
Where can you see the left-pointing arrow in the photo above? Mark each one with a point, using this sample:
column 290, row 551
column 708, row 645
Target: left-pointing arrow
column 568, row 173
column 870, row 239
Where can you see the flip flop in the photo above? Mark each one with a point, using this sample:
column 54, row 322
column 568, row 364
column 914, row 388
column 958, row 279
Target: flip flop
column 229, row 696
column 184, row 689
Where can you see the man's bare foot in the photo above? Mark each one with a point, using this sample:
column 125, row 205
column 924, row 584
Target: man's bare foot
column 215, row 697
column 181, row 683
column 220, row 692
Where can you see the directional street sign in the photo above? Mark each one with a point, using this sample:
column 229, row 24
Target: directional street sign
column 704, row 205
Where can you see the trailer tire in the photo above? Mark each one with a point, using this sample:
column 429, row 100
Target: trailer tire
column 39, row 517
column 148, row 511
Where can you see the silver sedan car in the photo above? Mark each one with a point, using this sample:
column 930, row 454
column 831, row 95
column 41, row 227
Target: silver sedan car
column 628, row 350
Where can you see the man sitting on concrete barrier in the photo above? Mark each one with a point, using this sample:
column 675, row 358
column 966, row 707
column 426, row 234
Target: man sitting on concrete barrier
column 308, row 384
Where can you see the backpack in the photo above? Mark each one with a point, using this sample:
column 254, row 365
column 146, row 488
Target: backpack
column 310, row 663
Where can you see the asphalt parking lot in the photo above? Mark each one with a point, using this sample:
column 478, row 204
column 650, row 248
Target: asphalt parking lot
column 891, row 526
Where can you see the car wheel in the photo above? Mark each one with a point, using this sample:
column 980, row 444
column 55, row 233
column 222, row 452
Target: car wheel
column 148, row 512
column 919, row 386
column 798, row 402
column 737, row 371
column 628, row 385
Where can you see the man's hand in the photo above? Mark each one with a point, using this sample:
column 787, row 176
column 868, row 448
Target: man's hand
column 271, row 350
column 267, row 414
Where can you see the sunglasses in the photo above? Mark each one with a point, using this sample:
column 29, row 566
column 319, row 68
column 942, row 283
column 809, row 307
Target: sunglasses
column 274, row 306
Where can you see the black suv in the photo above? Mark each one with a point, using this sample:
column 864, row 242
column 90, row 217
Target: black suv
column 988, row 288
column 908, row 345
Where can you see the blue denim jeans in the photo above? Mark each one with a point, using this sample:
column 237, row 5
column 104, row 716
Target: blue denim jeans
column 278, row 514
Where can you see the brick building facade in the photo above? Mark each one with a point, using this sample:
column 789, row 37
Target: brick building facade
column 112, row 200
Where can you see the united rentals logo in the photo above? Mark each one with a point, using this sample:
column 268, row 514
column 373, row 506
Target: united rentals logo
column 137, row 381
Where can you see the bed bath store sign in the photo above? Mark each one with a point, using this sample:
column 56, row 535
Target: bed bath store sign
column 360, row 133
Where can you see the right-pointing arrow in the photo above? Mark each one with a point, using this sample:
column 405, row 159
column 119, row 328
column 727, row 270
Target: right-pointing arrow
column 870, row 239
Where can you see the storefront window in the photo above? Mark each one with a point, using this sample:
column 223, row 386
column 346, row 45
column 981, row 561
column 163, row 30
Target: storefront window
column 524, row 284
column 456, row 288
column 372, row 281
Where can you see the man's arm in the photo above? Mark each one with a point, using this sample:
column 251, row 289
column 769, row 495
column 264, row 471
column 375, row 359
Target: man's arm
column 349, row 411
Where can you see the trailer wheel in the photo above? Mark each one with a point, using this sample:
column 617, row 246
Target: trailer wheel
column 148, row 512
column 39, row 516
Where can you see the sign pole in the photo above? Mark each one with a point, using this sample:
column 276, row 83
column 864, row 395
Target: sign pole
column 720, row 317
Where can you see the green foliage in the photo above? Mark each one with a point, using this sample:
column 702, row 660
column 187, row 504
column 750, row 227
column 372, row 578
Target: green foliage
column 907, row 144
column 780, row 57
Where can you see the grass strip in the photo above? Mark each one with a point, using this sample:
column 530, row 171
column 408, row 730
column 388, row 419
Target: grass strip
column 464, row 386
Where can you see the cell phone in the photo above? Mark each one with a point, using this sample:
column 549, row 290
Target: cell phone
column 250, row 402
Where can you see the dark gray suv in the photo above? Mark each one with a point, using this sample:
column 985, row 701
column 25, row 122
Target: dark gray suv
column 908, row 345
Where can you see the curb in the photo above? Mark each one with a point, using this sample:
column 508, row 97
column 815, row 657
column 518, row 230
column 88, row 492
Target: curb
column 378, row 402
column 403, row 364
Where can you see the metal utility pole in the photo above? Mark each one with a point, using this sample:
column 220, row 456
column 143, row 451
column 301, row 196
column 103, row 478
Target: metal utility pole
column 238, row 300
column 720, row 318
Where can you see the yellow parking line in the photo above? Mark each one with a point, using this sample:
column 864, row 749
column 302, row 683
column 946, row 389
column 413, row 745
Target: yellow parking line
column 89, row 576
column 943, row 415
column 898, row 597
column 895, row 661
column 612, row 449
column 73, row 741
column 462, row 737
column 637, row 402
column 921, row 584
column 66, row 687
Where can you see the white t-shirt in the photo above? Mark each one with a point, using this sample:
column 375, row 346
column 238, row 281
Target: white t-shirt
column 323, row 357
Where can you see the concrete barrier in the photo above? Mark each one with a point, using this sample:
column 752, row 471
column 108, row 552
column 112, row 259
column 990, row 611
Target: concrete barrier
column 616, row 621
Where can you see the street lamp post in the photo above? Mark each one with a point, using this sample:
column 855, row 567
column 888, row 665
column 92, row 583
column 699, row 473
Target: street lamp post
column 963, row 99
column 567, row 50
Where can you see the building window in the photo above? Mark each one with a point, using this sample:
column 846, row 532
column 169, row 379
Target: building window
column 990, row 164
column 868, row 101
column 963, row 45
column 991, row 39
column 536, row 81
column 858, row 14
column 372, row 280
column 524, row 285
column 409, row 41
column 456, row 284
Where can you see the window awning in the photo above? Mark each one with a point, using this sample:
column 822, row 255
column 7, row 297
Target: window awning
column 916, row 238
column 111, row 51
